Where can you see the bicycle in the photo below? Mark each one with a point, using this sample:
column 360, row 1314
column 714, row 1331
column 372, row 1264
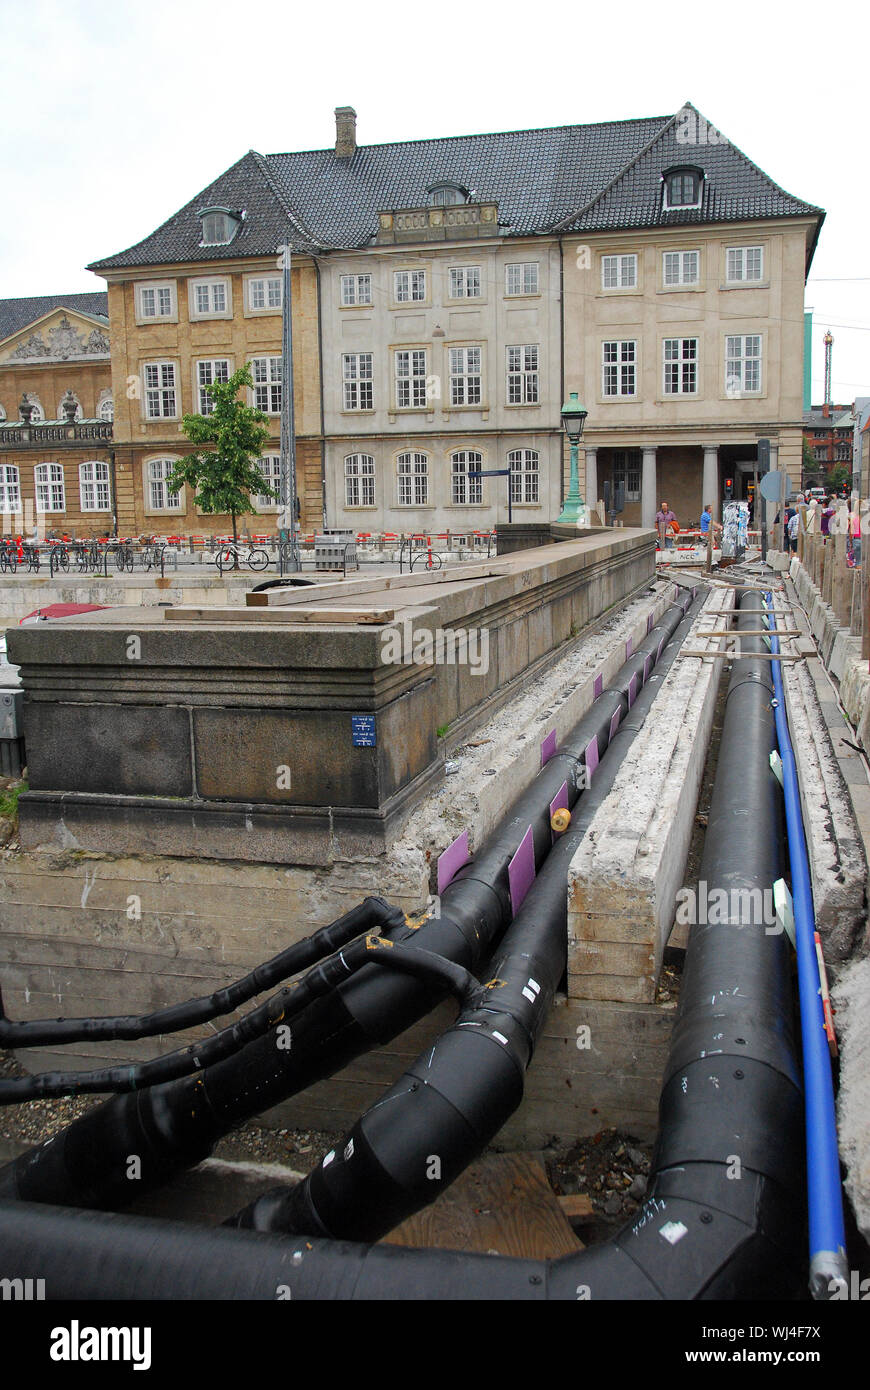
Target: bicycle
column 231, row 556
column 124, row 557
column 8, row 558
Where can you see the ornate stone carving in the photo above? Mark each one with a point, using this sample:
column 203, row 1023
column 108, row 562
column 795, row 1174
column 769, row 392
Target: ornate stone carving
column 33, row 347
column 64, row 342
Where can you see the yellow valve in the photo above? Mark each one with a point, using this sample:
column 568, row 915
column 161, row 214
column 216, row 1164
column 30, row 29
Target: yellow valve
column 560, row 820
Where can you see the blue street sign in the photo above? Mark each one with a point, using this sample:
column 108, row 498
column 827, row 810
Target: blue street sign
column 363, row 730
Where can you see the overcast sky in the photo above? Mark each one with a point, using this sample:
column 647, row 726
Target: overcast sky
column 116, row 114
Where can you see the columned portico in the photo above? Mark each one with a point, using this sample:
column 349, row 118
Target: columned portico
column 591, row 479
column 648, row 502
column 710, row 485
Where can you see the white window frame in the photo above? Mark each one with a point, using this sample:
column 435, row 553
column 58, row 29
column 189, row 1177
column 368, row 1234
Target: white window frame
column 525, row 477
column 740, row 255
column 272, row 474
column 465, row 365
column 410, row 286
column 10, row 488
column 413, row 382
column 412, row 478
column 682, row 278
column 94, row 492
column 464, row 282
column 521, row 278
column 159, row 482
column 164, row 302
column 106, row 409
column 359, row 481
column 465, row 491
column 743, row 357
column 357, row 381
column 201, row 386
column 686, row 364
column 270, row 287
column 667, row 205
column 49, row 488
column 523, row 374
column 231, row 226
column 267, row 388
column 621, row 270
column 622, row 361
column 161, row 388
column 211, row 287
column 355, row 290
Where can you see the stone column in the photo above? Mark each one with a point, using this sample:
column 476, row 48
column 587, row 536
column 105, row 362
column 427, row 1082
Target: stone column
column 710, row 483
column 591, row 493
column 648, row 499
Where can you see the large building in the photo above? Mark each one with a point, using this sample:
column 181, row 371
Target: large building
column 447, row 295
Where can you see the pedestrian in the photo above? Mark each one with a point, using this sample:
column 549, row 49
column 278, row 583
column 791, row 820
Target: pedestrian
column 825, row 523
column 665, row 520
column 793, row 524
column 707, row 522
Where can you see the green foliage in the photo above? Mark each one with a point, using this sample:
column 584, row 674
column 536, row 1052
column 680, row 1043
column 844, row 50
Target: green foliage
column 809, row 460
column 9, row 801
column 839, row 476
column 442, row 730
column 224, row 476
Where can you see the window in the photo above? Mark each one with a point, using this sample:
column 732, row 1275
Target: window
column 465, row 376
column 94, row 487
column 411, row 379
column 160, row 391
column 821, row 453
column 743, row 364
column 208, row 298
column 522, row 374
column 266, row 295
column 409, row 286
column 106, row 409
column 37, row 415
column 50, row 495
column 680, row 366
column 626, row 470
column 618, row 272
column 206, row 372
column 446, row 194
column 2, row 414
column 155, row 302
column 266, row 372
column 619, row 368
column 466, row 490
column 412, row 470
column 219, row 226
column 744, row 264
column 270, row 467
column 10, row 488
column 359, row 480
column 524, row 465
column 465, row 282
column 160, row 499
column 356, row 372
column 521, row 278
column 681, row 267
column 356, row 289
column 683, row 188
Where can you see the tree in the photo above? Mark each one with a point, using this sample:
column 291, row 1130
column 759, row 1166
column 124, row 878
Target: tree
column 224, row 477
column 810, row 463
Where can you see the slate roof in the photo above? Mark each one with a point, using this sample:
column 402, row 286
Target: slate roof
column 586, row 177
column 16, row 314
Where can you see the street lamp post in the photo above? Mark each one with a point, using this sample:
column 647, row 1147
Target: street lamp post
column 573, row 418
column 287, row 516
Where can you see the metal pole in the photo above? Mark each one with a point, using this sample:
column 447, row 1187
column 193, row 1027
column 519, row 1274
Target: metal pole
column 288, row 432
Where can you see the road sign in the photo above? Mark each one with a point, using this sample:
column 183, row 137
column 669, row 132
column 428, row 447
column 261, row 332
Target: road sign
column 771, row 486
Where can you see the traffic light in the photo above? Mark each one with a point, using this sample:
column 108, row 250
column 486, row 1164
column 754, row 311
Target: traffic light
column 729, row 489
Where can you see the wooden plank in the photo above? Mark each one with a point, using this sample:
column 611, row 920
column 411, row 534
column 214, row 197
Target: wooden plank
column 577, row 1206
column 502, row 1203
column 744, row 656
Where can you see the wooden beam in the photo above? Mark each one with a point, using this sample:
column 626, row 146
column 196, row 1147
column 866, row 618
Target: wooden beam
column 745, row 656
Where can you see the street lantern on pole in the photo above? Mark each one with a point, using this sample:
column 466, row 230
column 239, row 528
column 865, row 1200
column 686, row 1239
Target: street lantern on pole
column 573, row 418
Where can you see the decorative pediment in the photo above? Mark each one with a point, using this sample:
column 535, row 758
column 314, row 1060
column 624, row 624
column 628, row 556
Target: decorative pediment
column 60, row 340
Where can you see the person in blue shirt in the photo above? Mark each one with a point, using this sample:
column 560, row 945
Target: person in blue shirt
column 707, row 521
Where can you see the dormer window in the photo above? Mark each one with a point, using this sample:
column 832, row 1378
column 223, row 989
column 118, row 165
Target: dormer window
column 219, row 226
column 683, row 188
column 446, row 194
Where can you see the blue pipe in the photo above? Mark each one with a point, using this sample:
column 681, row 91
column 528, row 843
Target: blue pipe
column 828, row 1265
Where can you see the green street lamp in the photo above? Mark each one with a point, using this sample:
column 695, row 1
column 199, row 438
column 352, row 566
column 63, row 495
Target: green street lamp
column 573, row 418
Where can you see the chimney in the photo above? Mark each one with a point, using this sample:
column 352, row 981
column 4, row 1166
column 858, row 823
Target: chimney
column 345, row 132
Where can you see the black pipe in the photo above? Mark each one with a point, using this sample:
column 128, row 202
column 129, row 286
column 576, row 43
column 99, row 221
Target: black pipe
column 177, row 1124
column 705, row 1231
column 458, row 1094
